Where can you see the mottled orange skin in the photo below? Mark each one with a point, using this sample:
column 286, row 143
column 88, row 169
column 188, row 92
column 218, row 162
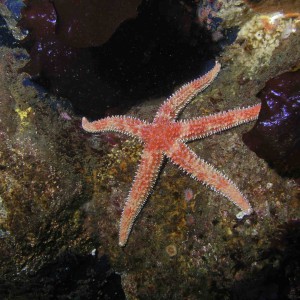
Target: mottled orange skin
column 166, row 137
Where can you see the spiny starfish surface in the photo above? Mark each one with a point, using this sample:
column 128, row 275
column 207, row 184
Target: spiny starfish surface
column 167, row 137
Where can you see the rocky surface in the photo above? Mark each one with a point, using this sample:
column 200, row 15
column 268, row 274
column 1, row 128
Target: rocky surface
column 62, row 191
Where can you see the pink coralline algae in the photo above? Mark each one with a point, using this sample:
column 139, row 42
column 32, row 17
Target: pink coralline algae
column 188, row 194
column 61, row 41
column 276, row 135
column 207, row 13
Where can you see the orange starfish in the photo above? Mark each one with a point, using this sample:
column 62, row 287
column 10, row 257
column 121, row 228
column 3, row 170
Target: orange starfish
column 166, row 137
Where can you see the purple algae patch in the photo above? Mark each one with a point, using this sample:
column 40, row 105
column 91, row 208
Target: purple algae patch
column 276, row 134
column 74, row 55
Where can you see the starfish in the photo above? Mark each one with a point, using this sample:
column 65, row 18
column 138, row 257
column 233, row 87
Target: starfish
column 167, row 137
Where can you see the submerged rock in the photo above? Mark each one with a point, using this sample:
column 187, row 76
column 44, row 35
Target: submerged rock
column 70, row 59
column 92, row 277
column 62, row 191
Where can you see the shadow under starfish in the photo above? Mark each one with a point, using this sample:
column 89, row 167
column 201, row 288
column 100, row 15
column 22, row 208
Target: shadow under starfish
column 166, row 136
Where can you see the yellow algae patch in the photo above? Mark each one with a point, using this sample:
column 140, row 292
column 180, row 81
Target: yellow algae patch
column 23, row 115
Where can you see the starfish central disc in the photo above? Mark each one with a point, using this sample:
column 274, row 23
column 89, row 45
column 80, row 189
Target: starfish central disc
column 166, row 137
column 160, row 136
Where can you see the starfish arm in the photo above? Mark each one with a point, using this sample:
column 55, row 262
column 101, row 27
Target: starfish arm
column 173, row 105
column 141, row 188
column 200, row 170
column 205, row 126
column 126, row 125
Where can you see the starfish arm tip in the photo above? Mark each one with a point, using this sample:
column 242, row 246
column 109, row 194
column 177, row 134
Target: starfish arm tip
column 249, row 211
column 124, row 235
column 84, row 122
column 122, row 244
column 244, row 213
